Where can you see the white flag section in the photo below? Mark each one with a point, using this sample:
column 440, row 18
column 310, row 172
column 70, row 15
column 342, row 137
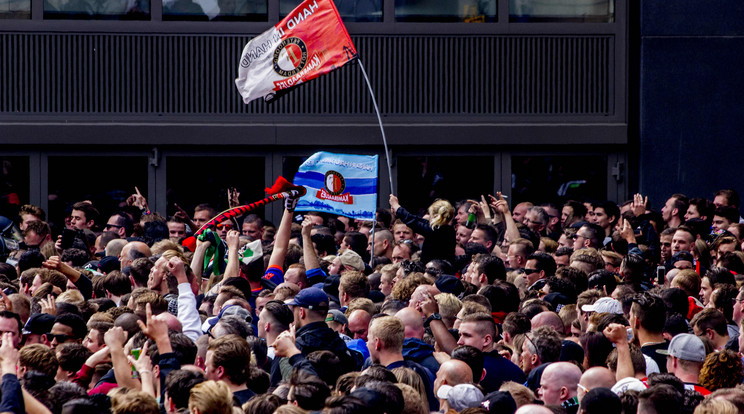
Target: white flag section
column 311, row 41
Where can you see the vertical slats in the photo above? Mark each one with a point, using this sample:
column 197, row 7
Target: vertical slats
column 411, row 75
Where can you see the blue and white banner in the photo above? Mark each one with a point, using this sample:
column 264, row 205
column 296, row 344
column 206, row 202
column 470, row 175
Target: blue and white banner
column 341, row 184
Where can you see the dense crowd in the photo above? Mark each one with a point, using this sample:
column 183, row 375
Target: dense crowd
column 478, row 307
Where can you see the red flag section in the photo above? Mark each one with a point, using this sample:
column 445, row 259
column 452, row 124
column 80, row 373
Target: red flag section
column 311, row 41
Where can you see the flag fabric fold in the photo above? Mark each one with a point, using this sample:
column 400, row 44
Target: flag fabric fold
column 342, row 184
column 311, row 41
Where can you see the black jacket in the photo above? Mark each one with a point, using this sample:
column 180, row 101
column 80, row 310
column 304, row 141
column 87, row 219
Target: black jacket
column 317, row 336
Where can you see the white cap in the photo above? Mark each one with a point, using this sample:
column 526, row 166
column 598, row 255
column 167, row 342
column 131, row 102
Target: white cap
column 460, row 396
column 628, row 383
column 604, row 305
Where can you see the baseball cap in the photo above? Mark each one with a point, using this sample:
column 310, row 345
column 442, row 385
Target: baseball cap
column 628, row 383
column 685, row 346
column 499, row 402
column 108, row 264
column 310, row 298
column 352, row 259
column 449, row 284
column 461, row 396
column 335, row 315
column 604, row 305
column 39, row 324
column 232, row 310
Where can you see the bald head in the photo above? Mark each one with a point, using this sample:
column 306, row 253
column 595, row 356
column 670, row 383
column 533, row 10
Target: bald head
column 170, row 320
column 533, row 409
column 596, row 377
column 550, row 319
column 421, row 293
column 359, row 324
column 454, row 372
column 559, row 382
column 131, row 251
column 413, row 322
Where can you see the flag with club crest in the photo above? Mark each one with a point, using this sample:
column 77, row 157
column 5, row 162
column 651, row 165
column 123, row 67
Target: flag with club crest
column 311, row 41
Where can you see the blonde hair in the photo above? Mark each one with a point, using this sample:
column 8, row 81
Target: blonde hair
column 521, row 394
column 289, row 409
column 72, row 296
column 389, row 330
column 164, row 245
column 440, row 212
column 412, row 380
column 213, row 397
column 449, row 305
column 412, row 401
column 716, row 406
column 128, row 401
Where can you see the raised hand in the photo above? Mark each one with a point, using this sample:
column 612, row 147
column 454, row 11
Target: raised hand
column 394, row 204
column 639, row 204
column 233, row 196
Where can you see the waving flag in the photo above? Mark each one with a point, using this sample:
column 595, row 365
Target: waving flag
column 311, row 41
column 341, row 184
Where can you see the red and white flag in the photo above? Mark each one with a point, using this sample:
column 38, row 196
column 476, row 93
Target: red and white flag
column 311, row 41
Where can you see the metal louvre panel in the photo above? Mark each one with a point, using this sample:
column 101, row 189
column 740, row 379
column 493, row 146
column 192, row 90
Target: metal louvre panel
column 515, row 75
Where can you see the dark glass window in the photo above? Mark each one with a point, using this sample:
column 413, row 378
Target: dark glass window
column 14, row 187
column 469, row 11
column 421, row 180
column 15, row 9
column 216, row 10
column 349, row 10
column 558, row 178
column 561, row 11
column 97, row 10
column 105, row 181
column 196, row 180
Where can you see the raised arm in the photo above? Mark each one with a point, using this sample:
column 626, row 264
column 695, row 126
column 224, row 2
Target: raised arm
column 618, row 335
column 281, row 241
column 233, row 261
column 501, row 206
column 308, row 250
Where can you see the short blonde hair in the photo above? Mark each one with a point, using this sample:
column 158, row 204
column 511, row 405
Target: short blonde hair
column 164, row 245
column 449, row 305
column 72, row 296
column 440, row 212
column 716, row 406
column 128, row 401
column 389, row 330
column 289, row 408
column 521, row 394
column 361, row 303
column 212, row 397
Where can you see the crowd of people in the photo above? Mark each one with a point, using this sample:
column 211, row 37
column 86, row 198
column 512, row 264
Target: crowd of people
column 477, row 308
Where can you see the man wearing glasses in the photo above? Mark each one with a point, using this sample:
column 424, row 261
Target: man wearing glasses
column 539, row 267
column 119, row 223
column 588, row 235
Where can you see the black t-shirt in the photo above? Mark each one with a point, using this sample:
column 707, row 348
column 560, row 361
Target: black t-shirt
column 650, row 351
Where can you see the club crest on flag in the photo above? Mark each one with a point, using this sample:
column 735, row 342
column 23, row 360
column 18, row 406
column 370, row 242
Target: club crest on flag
column 311, row 41
column 342, row 184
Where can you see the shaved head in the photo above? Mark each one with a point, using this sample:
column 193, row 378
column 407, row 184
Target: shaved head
column 413, row 322
column 533, row 409
column 550, row 319
column 453, row 372
column 173, row 323
column 559, row 382
column 359, row 324
column 596, row 377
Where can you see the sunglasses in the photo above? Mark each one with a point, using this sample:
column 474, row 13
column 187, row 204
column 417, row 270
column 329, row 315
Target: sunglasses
column 59, row 337
column 530, row 271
